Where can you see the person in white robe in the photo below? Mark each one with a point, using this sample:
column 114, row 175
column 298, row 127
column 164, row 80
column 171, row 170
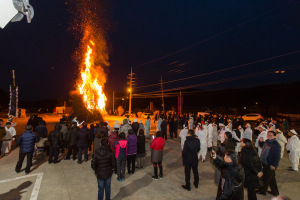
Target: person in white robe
column 109, row 128
column 271, row 127
column 281, row 139
column 202, row 135
column 215, row 135
column 182, row 135
column 210, row 136
column 8, row 138
column 158, row 128
column 236, row 134
column 248, row 132
column 229, row 124
column 263, row 134
column 191, row 123
column 293, row 147
column 75, row 120
column 222, row 133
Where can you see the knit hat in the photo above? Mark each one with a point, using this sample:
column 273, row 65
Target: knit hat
column 140, row 121
column 135, row 120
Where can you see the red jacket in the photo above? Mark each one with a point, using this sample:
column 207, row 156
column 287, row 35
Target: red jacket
column 113, row 137
column 158, row 143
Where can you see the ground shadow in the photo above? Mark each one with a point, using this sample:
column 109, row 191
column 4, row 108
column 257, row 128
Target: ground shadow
column 15, row 193
column 39, row 161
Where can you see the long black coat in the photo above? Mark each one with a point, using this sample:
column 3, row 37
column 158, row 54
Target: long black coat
column 71, row 136
column 103, row 162
column 55, row 137
column 135, row 127
column 252, row 166
column 164, row 126
column 83, row 137
column 190, row 151
column 102, row 128
column 231, row 185
column 141, row 144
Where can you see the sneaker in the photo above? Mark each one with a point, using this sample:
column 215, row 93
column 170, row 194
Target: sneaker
column 123, row 179
column 67, row 159
column 137, row 167
column 56, row 162
column 186, row 188
column 160, row 176
column 79, row 162
column 155, row 177
column 17, row 171
column 85, row 160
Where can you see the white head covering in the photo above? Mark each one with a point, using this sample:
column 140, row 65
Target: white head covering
column 116, row 125
column 272, row 124
column 248, row 125
column 240, row 127
column 135, row 120
column 293, row 131
column 220, row 124
column 263, row 127
column 140, row 121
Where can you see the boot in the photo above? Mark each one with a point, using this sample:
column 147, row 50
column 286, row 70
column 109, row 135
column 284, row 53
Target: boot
column 160, row 171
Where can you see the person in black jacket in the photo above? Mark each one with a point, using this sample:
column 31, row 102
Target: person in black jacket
column 92, row 136
column 83, row 138
column 190, row 159
column 141, row 152
column 252, row 166
column 231, row 185
column 56, row 141
column 41, row 130
column 164, row 127
column 26, row 141
column 175, row 127
column 103, row 163
column 72, row 141
column 171, row 127
column 135, row 126
column 102, row 127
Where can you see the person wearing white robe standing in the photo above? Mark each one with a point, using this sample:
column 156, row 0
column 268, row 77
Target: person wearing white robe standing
column 236, row 134
column 109, row 128
column 8, row 138
column 202, row 135
column 210, row 136
column 248, row 132
column 263, row 134
column 271, row 127
column 182, row 135
column 229, row 124
column 281, row 139
column 222, row 133
column 293, row 147
column 215, row 135
column 191, row 123
column 158, row 128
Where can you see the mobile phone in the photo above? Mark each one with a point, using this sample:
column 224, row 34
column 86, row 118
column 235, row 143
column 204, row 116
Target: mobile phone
column 153, row 137
column 213, row 154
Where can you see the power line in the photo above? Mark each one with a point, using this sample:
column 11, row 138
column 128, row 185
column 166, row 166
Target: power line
column 221, row 70
column 212, row 36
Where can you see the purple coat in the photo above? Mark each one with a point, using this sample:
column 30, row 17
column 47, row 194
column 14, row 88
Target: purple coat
column 132, row 144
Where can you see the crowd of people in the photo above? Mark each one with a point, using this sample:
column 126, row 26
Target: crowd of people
column 238, row 163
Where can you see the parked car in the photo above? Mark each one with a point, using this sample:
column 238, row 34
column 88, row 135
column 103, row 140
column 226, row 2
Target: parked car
column 252, row 117
column 145, row 115
column 126, row 114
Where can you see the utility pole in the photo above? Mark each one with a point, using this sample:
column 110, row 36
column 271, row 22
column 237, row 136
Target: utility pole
column 162, row 93
column 113, row 102
column 130, row 83
column 14, row 81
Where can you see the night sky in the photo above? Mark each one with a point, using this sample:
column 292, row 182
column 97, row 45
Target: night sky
column 219, row 34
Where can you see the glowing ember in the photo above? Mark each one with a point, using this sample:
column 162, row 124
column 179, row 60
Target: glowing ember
column 92, row 82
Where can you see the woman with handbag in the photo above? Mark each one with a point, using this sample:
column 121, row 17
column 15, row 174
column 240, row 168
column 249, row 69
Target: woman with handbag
column 252, row 166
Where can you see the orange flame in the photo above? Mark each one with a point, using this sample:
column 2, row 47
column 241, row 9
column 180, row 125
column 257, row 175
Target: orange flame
column 92, row 82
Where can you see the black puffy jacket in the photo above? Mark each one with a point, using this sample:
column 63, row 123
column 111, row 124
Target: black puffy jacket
column 231, row 185
column 55, row 137
column 252, row 166
column 27, row 141
column 190, row 151
column 71, row 136
column 103, row 162
column 141, row 144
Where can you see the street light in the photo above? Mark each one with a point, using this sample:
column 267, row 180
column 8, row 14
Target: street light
column 129, row 90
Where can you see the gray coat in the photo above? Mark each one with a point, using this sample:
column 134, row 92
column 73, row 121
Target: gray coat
column 218, row 172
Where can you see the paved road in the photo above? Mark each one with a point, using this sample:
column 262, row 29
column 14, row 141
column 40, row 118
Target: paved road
column 71, row 181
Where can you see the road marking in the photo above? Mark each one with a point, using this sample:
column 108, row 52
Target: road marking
column 36, row 186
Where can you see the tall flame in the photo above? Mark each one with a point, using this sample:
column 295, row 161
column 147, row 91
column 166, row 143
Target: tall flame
column 92, row 82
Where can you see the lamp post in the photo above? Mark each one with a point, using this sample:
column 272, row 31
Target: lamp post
column 129, row 102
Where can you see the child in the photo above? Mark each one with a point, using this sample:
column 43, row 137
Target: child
column 131, row 152
column 121, row 152
column 140, row 149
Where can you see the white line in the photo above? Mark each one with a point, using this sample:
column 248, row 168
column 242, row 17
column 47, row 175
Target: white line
column 36, row 186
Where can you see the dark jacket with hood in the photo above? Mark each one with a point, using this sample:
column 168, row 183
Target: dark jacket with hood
column 41, row 130
column 231, row 185
column 135, row 127
column 272, row 149
column 112, row 139
column 55, row 137
column 164, row 126
column 71, row 135
column 252, row 166
column 141, row 145
column 229, row 144
column 190, row 151
column 96, row 144
column 103, row 162
column 83, row 137
column 121, row 149
column 27, row 141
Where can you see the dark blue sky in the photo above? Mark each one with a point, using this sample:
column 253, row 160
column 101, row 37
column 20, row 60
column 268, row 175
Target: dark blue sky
column 240, row 32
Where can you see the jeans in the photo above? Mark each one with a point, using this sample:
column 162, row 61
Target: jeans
column 21, row 159
column 80, row 149
column 101, row 185
column 70, row 148
column 121, row 168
